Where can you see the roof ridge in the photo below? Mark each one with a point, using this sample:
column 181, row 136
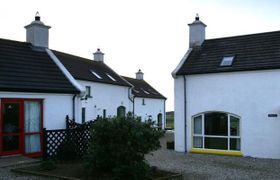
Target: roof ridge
column 245, row 35
column 15, row 41
column 80, row 57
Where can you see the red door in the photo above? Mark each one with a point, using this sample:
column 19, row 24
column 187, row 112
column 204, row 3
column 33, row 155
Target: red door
column 11, row 134
column 21, row 125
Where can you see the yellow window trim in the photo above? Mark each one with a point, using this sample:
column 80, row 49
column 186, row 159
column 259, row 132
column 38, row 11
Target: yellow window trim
column 218, row 152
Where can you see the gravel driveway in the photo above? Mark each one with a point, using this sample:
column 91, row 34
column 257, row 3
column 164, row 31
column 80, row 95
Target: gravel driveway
column 203, row 166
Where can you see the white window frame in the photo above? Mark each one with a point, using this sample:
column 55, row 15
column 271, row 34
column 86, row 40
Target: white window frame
column 95, row 74
column 227, row 61
column 113, row 79
column 214, row 136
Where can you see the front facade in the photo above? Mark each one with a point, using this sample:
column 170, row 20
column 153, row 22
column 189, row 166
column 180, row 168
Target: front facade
column 148, row 103
column 39, row 87
column 227, row 105
column 103, row 101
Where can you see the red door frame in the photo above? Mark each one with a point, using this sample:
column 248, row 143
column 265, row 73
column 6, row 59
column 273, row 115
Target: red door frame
column 21, row 124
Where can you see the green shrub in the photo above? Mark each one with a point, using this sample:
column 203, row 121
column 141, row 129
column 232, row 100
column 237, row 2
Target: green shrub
column 47, row 165
column 66, row 151
column 118, row 147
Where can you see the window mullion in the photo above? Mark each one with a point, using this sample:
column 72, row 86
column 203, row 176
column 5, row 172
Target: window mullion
column 228, row 132
column 203, row 137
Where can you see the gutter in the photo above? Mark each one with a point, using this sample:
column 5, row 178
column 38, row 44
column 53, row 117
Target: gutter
column 164, row 124
column 133, row 107
column 185, row 114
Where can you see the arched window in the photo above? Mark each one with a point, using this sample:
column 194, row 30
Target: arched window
column 216, row 130
column 121, row 111
column 159, row 120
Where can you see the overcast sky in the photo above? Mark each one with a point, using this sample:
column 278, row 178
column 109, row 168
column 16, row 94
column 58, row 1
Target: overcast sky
column 151, row 35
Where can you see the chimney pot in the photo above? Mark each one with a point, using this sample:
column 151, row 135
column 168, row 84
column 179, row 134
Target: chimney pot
column 197, row 17
column 37, row 16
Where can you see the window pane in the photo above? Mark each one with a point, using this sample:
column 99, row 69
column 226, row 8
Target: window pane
column 11, row 115
column 32, row 143
column 198, row 125
column 235, row 144
column 32, row 116
column 234, row 126
column 87, row 90
column 10, row 143
column 197, row 142
column 216, row 124
column 216, row 143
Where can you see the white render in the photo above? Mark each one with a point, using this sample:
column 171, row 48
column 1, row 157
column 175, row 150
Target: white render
column 252, row 95
column 151, row 108
column 104, row 96
column 55, row 107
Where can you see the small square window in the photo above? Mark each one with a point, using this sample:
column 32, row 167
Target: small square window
column 143, row 102
column 88, row 91
column 227, row 61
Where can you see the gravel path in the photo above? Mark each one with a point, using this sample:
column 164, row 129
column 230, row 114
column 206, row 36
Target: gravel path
column 202, row 166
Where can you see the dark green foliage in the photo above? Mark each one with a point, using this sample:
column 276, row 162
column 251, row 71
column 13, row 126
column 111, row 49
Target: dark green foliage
column 118, row 147
column 66, row 151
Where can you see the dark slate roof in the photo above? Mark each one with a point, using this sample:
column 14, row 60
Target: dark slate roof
column 80, row 68
column 251, row 52
column 143, row 89
column 24, row 68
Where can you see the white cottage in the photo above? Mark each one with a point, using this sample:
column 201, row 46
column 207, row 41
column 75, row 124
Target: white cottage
column 39, row 87
column 148, row 103
column 226, row 93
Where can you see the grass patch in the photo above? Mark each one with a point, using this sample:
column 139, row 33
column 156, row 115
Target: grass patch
column 170, row 122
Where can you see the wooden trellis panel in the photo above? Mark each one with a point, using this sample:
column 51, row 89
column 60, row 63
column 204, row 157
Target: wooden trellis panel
column 76, row 137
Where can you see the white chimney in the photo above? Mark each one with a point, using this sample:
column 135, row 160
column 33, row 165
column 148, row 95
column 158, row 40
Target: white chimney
column 140, row 75
column 98, row 56
column 37, row 33
column 197, row 33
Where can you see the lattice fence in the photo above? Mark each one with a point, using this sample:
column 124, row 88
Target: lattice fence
column 73, row 141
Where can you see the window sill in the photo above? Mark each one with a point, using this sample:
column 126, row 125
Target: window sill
column 217, row 152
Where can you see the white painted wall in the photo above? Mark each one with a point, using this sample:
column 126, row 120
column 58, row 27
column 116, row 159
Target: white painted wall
column 179, row 114
column 151, row 108
column 55, row 107
column 251, row 95
column 104, row 96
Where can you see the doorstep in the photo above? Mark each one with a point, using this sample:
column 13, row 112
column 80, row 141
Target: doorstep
column 6, row 161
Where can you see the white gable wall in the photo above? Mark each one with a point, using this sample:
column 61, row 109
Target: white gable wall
column 55, row 107
column 104, row 96
column 251, row 95
column 151, row 108
column 179, row 119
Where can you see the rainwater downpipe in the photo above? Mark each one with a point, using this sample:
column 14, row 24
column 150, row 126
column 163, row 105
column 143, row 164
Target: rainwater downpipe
column 73, row 108
column 132, row 100
column 185, row 114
